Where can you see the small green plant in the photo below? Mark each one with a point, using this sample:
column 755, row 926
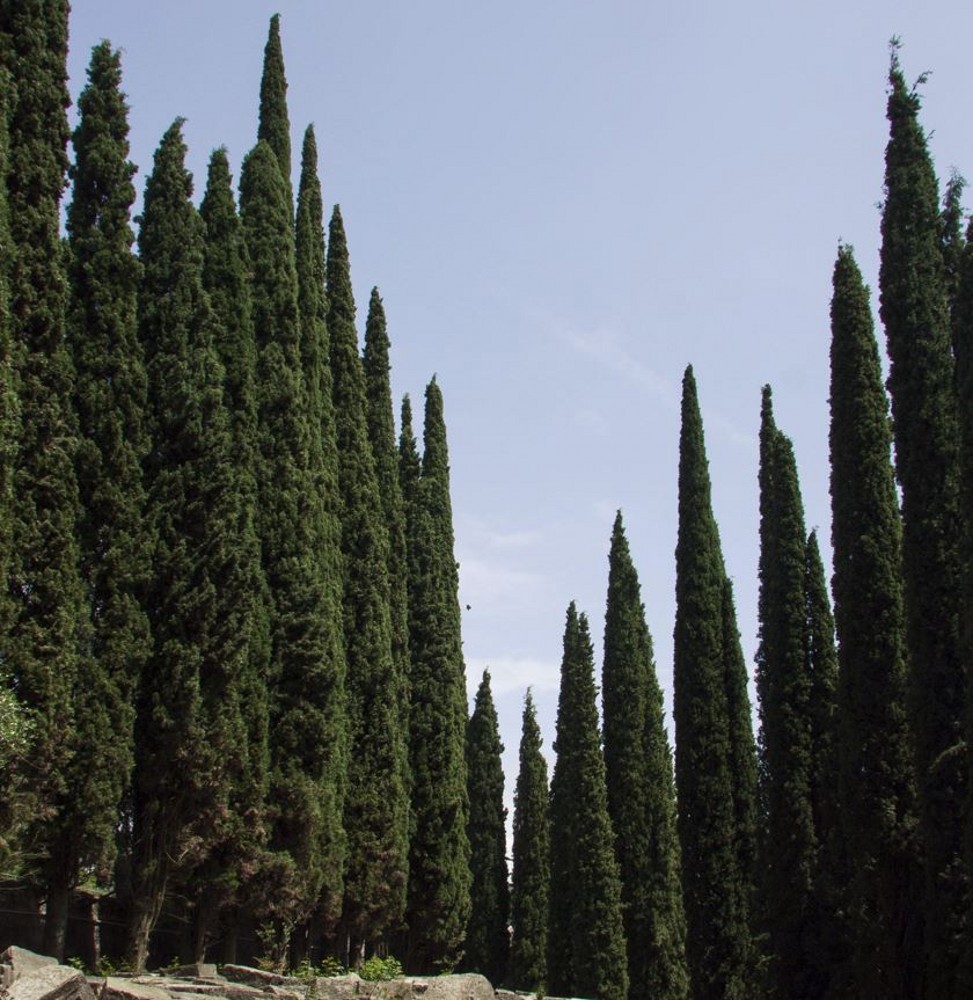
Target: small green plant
column 304, row 971
column 377, row 969
column 330, row 967
column 105, row 967
column 75, row 963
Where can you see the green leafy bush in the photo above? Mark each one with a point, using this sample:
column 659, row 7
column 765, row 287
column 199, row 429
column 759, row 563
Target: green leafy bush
column 377, row 969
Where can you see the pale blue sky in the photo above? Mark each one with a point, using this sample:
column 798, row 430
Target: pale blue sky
column 563, row 204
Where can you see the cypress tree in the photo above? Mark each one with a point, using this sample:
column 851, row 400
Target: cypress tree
column 784, row 690
column 439, row 876
column 274, row 123
column 875, row 761
column 914, row 310
column 377, row 807
column 530, row 881
column 742, row 750
column 12, row 714
column 641, row 798
column 381, row 435
column 715, row 891
column 831, row 870
column 586, row 942
column 110, row 399
column 190, row 741
column 487, row 948
column 307, row 672
column 47, row 641
column 220, row 887
column 952, row 241
column 963, row 340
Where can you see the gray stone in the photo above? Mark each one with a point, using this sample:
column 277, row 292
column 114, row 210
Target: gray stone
column 117, row 988
column 16, row 962
column 51, row 982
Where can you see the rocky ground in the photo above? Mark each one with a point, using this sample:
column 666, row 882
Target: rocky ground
column 27, row 976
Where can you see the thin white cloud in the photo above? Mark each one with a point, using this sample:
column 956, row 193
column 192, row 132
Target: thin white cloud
column 510, row 674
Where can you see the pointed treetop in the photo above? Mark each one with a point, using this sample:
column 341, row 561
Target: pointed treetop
column 275, row 125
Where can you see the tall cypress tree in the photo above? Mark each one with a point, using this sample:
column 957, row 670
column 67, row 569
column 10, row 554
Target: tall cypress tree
column 914, row 310
column 274, row 126
column 831, row 869
column 110, row 399
column 952, row 240
column 381, row 435
column 191, row 744
column 487, row 947
column 530, row 878
column 47, row 641
column 586, row 942
column 308, row 712
column 784, row 689
column 742, row 750
column 377, row 806
column 221, row 886
column 715, row 891
column 641, row 798
column 439, row 876
column 875, row 762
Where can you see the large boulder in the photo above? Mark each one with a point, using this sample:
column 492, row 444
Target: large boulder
column 27, row 976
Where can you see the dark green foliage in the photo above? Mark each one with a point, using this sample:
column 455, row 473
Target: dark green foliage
column 46, row 645
column 530, row 883
column 275, row 127
column 915, row 311
column 743, row 751
column 220, row 884
column 191, row 743
column 790, row 844
column 307, row 672
column 875, row 773
column 586, row 936
column 377, row 806
column 487, row 948
column 715, row 891
column 381, row 434
column 952, row 240
column 641, row 797
column 829, row 928
column 110, row 399
column 438, row 905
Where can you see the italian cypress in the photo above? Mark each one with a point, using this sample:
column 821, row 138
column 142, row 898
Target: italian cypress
column 439, row 875
column 831, row 871
column 47, row 642
column 914, row 309
column 307, row 666
column 381, row 435
column 875, row 762
column 641, row 797
column 274, row 123
column 220, row 887
column 377, row 806
column 586, row 936
column 110, row 399
column 487, row 947
column 715, row 890
column 952, row 240
column 530, row 877
column 784, row 690
column 190, row 742
column 742, row 750
column 963, row 340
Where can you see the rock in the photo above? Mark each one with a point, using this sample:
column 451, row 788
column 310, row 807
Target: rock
column 260, row 978
column 115, row 988
column 197, row 970
column 51, row 982
column 16, row 962
column 468, row 986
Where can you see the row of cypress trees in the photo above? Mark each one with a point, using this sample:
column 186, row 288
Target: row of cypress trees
column 830, row 858
column 230, row 615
